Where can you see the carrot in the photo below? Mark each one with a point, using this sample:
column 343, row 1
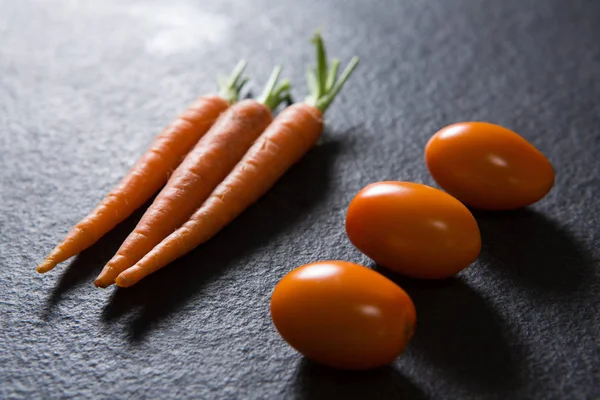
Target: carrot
column 289, row 137
column 213, row 157
column 150, row 172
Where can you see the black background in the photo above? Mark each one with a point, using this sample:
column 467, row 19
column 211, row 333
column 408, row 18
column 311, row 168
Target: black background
column 86, row 85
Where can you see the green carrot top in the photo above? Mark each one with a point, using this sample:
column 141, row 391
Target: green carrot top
column 275, row 94
column 230, row 88
column 323, row 82
column 272, row 95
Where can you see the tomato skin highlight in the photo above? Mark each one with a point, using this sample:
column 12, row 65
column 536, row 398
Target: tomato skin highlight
column 487, row 166
column 343, row 315
column 413, row 229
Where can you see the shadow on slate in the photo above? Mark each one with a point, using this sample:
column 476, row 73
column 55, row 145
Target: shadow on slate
column 314, row 381
column 533, row 249
column 458, row 332
column 162, row 293
column 84, row 268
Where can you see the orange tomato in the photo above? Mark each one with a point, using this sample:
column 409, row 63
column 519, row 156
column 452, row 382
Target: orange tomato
column 413, row 229
column 487, row 166
column 343, row 315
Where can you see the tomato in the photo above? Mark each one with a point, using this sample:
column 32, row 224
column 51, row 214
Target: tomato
column 413, row 229
column 487, row 166
column 343, row 315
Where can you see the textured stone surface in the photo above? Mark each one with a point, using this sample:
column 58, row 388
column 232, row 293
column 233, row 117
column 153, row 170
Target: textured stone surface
column 84, row 87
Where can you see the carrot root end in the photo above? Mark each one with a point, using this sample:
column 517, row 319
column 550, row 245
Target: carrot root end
column 102, row 283
column 46, row 266
column 123, row 282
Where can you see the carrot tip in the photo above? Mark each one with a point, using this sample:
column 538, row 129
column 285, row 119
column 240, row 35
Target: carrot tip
column 46, row 266
column 122, row 281
column 101, row 283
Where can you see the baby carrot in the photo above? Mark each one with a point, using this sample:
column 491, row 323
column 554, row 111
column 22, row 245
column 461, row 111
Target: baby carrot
column 150, row 172
column 292, row 133
column 213, row 157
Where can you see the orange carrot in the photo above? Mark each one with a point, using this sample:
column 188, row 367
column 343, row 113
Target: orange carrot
column 213, row 157
column 293, row 132
column 150, row 172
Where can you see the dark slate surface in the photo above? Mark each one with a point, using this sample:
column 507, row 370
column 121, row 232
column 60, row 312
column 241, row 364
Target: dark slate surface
column 84, row 87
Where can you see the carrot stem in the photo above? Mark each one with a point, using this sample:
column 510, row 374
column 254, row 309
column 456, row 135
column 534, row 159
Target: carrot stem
column 275, row 94
column 230, row 88
column 324, row 85
column 282, row 91
column 324, row 102
column 321, row 65
column 271, row 83
column 311, row 79
column 332, row 75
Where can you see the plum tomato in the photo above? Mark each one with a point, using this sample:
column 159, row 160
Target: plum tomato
column 487, row 166
column 413, row 229
column 343, row 315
